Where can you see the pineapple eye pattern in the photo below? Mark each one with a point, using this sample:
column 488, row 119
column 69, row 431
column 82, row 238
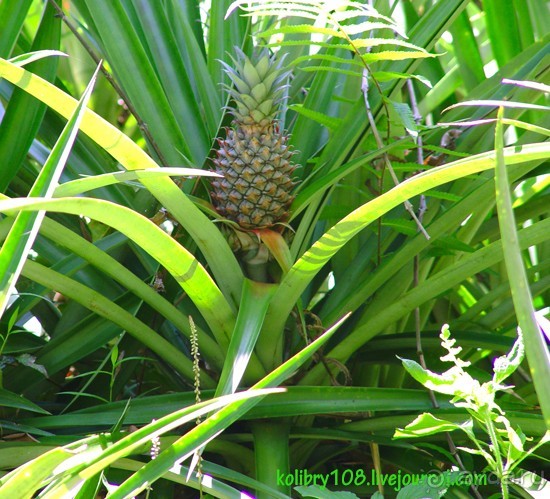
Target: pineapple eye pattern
column 254, row 158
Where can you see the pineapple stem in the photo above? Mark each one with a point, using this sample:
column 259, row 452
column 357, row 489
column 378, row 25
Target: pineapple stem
column 256, row 266
column 271, row 454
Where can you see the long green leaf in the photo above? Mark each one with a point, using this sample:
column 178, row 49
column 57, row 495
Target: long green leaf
column 189, row 48
column 10, row 399
column 252, row 310
column 100, row 258
column 207, row 236
column 299, row 276
column 296, row 401
column 79, row 186
column 130, row 443
column 185, row 268
column 19, row 242
column 536, row 348
column 503, row 30
column 118, row 30
column 25, row 480
column 209, row 429
column 24, row 113
column 172, row 74
column 467, row 52
column 437, row 284
column 224, row 34
column 12, row 17
column 104, row 307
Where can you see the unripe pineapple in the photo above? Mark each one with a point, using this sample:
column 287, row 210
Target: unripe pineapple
column 254, row 159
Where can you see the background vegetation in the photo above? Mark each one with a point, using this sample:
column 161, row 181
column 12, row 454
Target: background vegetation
column 132, row 310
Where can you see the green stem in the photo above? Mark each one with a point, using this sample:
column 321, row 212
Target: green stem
column 256, row 266
column 271, row 453
column 496, row 452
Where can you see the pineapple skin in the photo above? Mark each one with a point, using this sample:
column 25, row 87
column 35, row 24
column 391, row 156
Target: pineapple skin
column 254, row 158
column 255, row 189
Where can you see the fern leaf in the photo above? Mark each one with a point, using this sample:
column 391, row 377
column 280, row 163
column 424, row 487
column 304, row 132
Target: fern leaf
column 281, row 13
column 323, row 119
column 345, row 20
column 392, row 75
column 331, row 69
column 452, row 243
column 446, row 196
column 355, row 29
column 290, row 6
column 405, row 116
column 407, row 227
column 344, row 32
column 392, row 55
column 300, row 29
column 375, row 42
column 329, row 58
column 293, row 43
column 357, row 9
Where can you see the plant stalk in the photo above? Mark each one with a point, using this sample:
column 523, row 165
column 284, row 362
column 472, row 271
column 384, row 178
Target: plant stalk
column 271, row 445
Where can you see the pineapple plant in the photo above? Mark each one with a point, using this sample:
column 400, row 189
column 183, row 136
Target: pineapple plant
column 254, row 158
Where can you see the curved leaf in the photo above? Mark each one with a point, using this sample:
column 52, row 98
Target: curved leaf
column 185, row 268
column 116, row 314
column 19, row 241
column 132, row 157
column 79, row 186
column 299, row 276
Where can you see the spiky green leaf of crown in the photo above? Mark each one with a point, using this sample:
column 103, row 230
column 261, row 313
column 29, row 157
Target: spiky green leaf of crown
column 254, row 158
column 257, row 88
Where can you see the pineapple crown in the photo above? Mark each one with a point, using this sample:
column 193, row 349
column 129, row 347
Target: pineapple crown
column 257, row 87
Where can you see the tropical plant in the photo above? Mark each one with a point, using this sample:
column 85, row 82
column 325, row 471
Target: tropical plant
column 136, row 238
column 506, row 448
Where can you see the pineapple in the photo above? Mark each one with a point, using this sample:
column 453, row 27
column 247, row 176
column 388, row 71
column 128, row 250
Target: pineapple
column 254, row 159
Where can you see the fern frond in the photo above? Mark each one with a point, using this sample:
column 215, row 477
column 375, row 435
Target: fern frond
column 281, row 13
column 341, row 16
column 331, row 69
column 365, row 27
column 405, row 114
column 407, row 227
column 446, row 196
column 299, row 29
column 329, row 58
column 394, row 55
column 351, row 22
column 308, row 29
column 323, row 119
column 392, row 75
column 367, row 58
column 336, row 28
column 376, row 42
